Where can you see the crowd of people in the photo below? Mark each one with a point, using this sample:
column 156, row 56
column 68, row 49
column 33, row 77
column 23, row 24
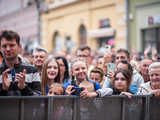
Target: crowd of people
column 83, row 74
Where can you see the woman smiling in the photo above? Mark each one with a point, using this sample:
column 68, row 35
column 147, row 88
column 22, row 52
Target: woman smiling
column 50, row 74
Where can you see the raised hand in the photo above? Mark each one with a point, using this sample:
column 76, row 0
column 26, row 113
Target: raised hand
column 20, row 78
column 5, row 81
column 146, row 51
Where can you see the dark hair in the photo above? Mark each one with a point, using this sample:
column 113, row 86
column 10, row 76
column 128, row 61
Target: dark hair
column 124, row 51
column 101, row 56
column 10, row 35
column 127, row 74
column 1, row 54
column 84, row 47
column 128, row 64
column 66, row 73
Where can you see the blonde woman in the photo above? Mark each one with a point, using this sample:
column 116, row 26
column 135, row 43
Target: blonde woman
column 79, row 70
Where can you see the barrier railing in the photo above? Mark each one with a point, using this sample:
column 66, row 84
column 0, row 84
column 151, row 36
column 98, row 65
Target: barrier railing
column 75, row 108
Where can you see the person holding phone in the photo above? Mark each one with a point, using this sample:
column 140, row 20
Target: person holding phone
column 79, row 72
column 16, row 77
column 109, row 66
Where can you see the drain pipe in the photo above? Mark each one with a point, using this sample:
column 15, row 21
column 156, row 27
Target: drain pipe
column 127, row 26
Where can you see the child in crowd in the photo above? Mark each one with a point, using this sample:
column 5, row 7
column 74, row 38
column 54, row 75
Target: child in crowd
column 86, row 85
column 97, row 75
column 56, row 89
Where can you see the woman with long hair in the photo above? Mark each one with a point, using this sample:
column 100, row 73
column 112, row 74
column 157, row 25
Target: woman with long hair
column 50, row 74
column 121, row 82
column 64, row 69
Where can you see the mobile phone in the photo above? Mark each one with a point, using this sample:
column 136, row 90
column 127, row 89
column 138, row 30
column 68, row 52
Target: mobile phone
column 12, row 74
column 108, row 48
column 77, row 91
column 111, row 67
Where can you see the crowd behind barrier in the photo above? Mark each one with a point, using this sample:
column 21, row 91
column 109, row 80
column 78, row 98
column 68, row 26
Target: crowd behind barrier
column 74, row 108
column 73, row 77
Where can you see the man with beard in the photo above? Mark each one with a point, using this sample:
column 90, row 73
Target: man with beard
column 16, row 77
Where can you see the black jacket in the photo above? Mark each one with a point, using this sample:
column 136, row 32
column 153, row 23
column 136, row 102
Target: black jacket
column 32, row 80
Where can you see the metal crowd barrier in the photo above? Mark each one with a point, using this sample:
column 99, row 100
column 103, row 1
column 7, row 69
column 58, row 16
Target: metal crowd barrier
column 75, row 108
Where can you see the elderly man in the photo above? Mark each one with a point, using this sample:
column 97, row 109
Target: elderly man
column 39, row 56
column 144, row 65
column 153, row 86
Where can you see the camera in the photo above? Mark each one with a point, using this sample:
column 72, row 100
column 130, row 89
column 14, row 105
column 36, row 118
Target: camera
column 77, row 91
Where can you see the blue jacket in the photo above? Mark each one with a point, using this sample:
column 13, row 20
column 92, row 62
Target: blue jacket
column 96, row 84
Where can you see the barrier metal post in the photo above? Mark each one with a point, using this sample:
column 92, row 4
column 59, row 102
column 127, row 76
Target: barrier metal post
column 147, row 108
column 50, row 107
column 123, row 108
column 21, row 109
column 76, row 108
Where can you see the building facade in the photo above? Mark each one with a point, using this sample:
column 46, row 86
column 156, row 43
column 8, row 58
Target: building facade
column 144, row 24
column 20, row 16
column 67, row 24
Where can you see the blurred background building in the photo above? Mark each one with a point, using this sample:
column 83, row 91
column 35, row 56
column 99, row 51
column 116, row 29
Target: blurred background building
column 144, row 24
column 71, row 23
column 21, row 16
column 67, row 24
